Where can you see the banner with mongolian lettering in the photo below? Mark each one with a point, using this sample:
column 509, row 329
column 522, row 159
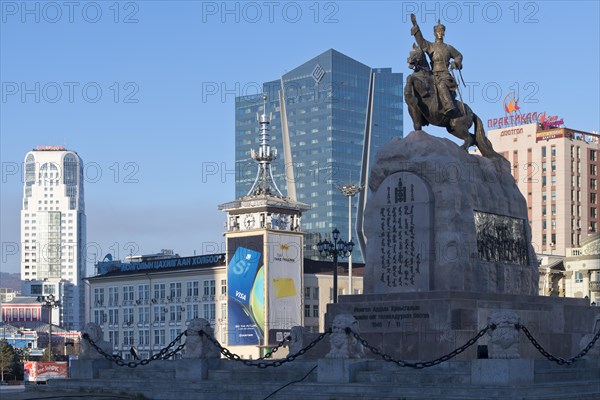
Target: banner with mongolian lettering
column 284, row 277
column 245, row 291
column 38, row 371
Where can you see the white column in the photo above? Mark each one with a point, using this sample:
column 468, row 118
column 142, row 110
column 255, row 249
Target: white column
column 349, row 239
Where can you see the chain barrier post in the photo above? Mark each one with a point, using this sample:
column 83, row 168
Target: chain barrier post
column 262, row 364
column 163, row 354
column 558, row 360
column 167, row 353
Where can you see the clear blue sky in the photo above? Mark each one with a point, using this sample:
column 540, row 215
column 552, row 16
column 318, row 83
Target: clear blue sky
column 164, row 125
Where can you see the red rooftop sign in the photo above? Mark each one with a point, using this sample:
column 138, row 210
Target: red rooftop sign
column 513, row 117
column 50, row 148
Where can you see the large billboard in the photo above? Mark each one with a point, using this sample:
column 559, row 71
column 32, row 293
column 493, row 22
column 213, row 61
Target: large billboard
column 245, row 291
column 38, row 371
column 284, row 284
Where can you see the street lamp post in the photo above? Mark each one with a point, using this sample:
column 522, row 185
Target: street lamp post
column 49, row 302
column 336, row 248
column 350, row 190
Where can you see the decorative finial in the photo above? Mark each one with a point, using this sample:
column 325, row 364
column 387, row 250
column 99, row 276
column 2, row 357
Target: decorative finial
column 264, row 183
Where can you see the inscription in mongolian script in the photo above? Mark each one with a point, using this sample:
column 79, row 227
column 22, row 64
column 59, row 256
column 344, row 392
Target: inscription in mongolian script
column 399, row 235
column 389, row 317
column 501, row 238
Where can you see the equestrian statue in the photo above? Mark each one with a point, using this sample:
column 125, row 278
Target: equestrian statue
column 430, row 93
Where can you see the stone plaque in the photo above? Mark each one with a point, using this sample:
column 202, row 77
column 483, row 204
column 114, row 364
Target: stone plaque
column 501, row 238
column 398, row 227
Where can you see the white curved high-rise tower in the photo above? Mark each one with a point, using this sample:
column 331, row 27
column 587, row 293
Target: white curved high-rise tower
column 53, row 231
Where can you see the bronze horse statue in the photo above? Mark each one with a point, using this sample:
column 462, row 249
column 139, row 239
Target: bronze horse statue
column 424, row 107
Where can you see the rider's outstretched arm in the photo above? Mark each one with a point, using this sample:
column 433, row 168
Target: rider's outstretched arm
column 416, row 32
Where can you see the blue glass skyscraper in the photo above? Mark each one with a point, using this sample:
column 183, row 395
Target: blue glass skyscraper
column 326, row 105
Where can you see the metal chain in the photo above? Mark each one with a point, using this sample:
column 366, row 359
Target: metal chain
column 163, row 354
column 274, row 349
column 261, row 364
column 166, row 352
column 558, row 360
column 426, row 364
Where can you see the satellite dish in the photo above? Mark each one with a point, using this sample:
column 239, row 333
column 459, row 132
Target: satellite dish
column 107, row 257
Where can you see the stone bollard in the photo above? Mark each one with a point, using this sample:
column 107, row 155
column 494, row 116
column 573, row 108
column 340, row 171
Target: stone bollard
column 594, row 353
column 504, row 340
column 343, row 344
column 342, row 362
column 90, row 361
column 199, row 346
column 296, row 340
column 200, row 353
column 94, row 332
column 505, row 367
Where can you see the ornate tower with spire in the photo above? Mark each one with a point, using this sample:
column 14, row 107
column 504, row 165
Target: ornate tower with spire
column 264, row 243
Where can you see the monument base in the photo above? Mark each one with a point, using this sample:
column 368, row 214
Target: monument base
column 426, row 325
column 338, row 378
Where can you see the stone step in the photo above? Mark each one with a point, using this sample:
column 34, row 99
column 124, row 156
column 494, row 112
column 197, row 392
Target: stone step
column 165, row 390
column 264, row 375
column 140, row 372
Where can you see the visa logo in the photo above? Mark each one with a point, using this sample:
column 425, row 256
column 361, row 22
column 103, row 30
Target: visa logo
column 240, row 295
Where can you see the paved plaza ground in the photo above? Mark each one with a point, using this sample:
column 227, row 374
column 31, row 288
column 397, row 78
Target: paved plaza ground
column 19, row 393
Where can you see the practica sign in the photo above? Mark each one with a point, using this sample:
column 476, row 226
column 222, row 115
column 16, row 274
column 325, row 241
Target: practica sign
column 513, row 116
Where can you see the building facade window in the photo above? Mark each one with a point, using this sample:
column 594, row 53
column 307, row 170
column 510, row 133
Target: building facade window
column 160, row 291
column 175, row 291
column 128, row 293
column 192, row 289
column 159, row 314
column 143, row 293
column 98, row 296
column 144, row 315
column 209, row 287
column 113, row 296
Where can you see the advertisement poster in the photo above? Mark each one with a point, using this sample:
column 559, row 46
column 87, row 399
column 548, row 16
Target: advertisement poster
column 245, row 293
column 285, row 284
column 38, row 371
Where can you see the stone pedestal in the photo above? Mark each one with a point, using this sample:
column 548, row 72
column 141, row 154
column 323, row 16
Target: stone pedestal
column 339, row 370
column 502, row 372
column 194, row 369
column 88, row 369
column 424, row 326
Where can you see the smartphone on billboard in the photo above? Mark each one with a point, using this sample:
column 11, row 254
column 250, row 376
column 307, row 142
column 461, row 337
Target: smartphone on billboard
column 246, row 296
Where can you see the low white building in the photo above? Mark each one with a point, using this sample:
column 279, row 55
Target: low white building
column 147, row 303
column 582, row 268
column 576, row 275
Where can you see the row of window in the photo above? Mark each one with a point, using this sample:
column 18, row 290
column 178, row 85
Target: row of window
column 579, row 276
column 174, row 291
column 34, row 215
column 160, row 313
column 143, row 337
column 20, row 314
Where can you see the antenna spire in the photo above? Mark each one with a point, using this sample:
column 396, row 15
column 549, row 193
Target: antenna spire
column 264, row 184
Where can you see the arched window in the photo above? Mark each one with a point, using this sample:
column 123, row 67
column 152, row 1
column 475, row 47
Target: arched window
column 70, row 168
column 30, row 170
